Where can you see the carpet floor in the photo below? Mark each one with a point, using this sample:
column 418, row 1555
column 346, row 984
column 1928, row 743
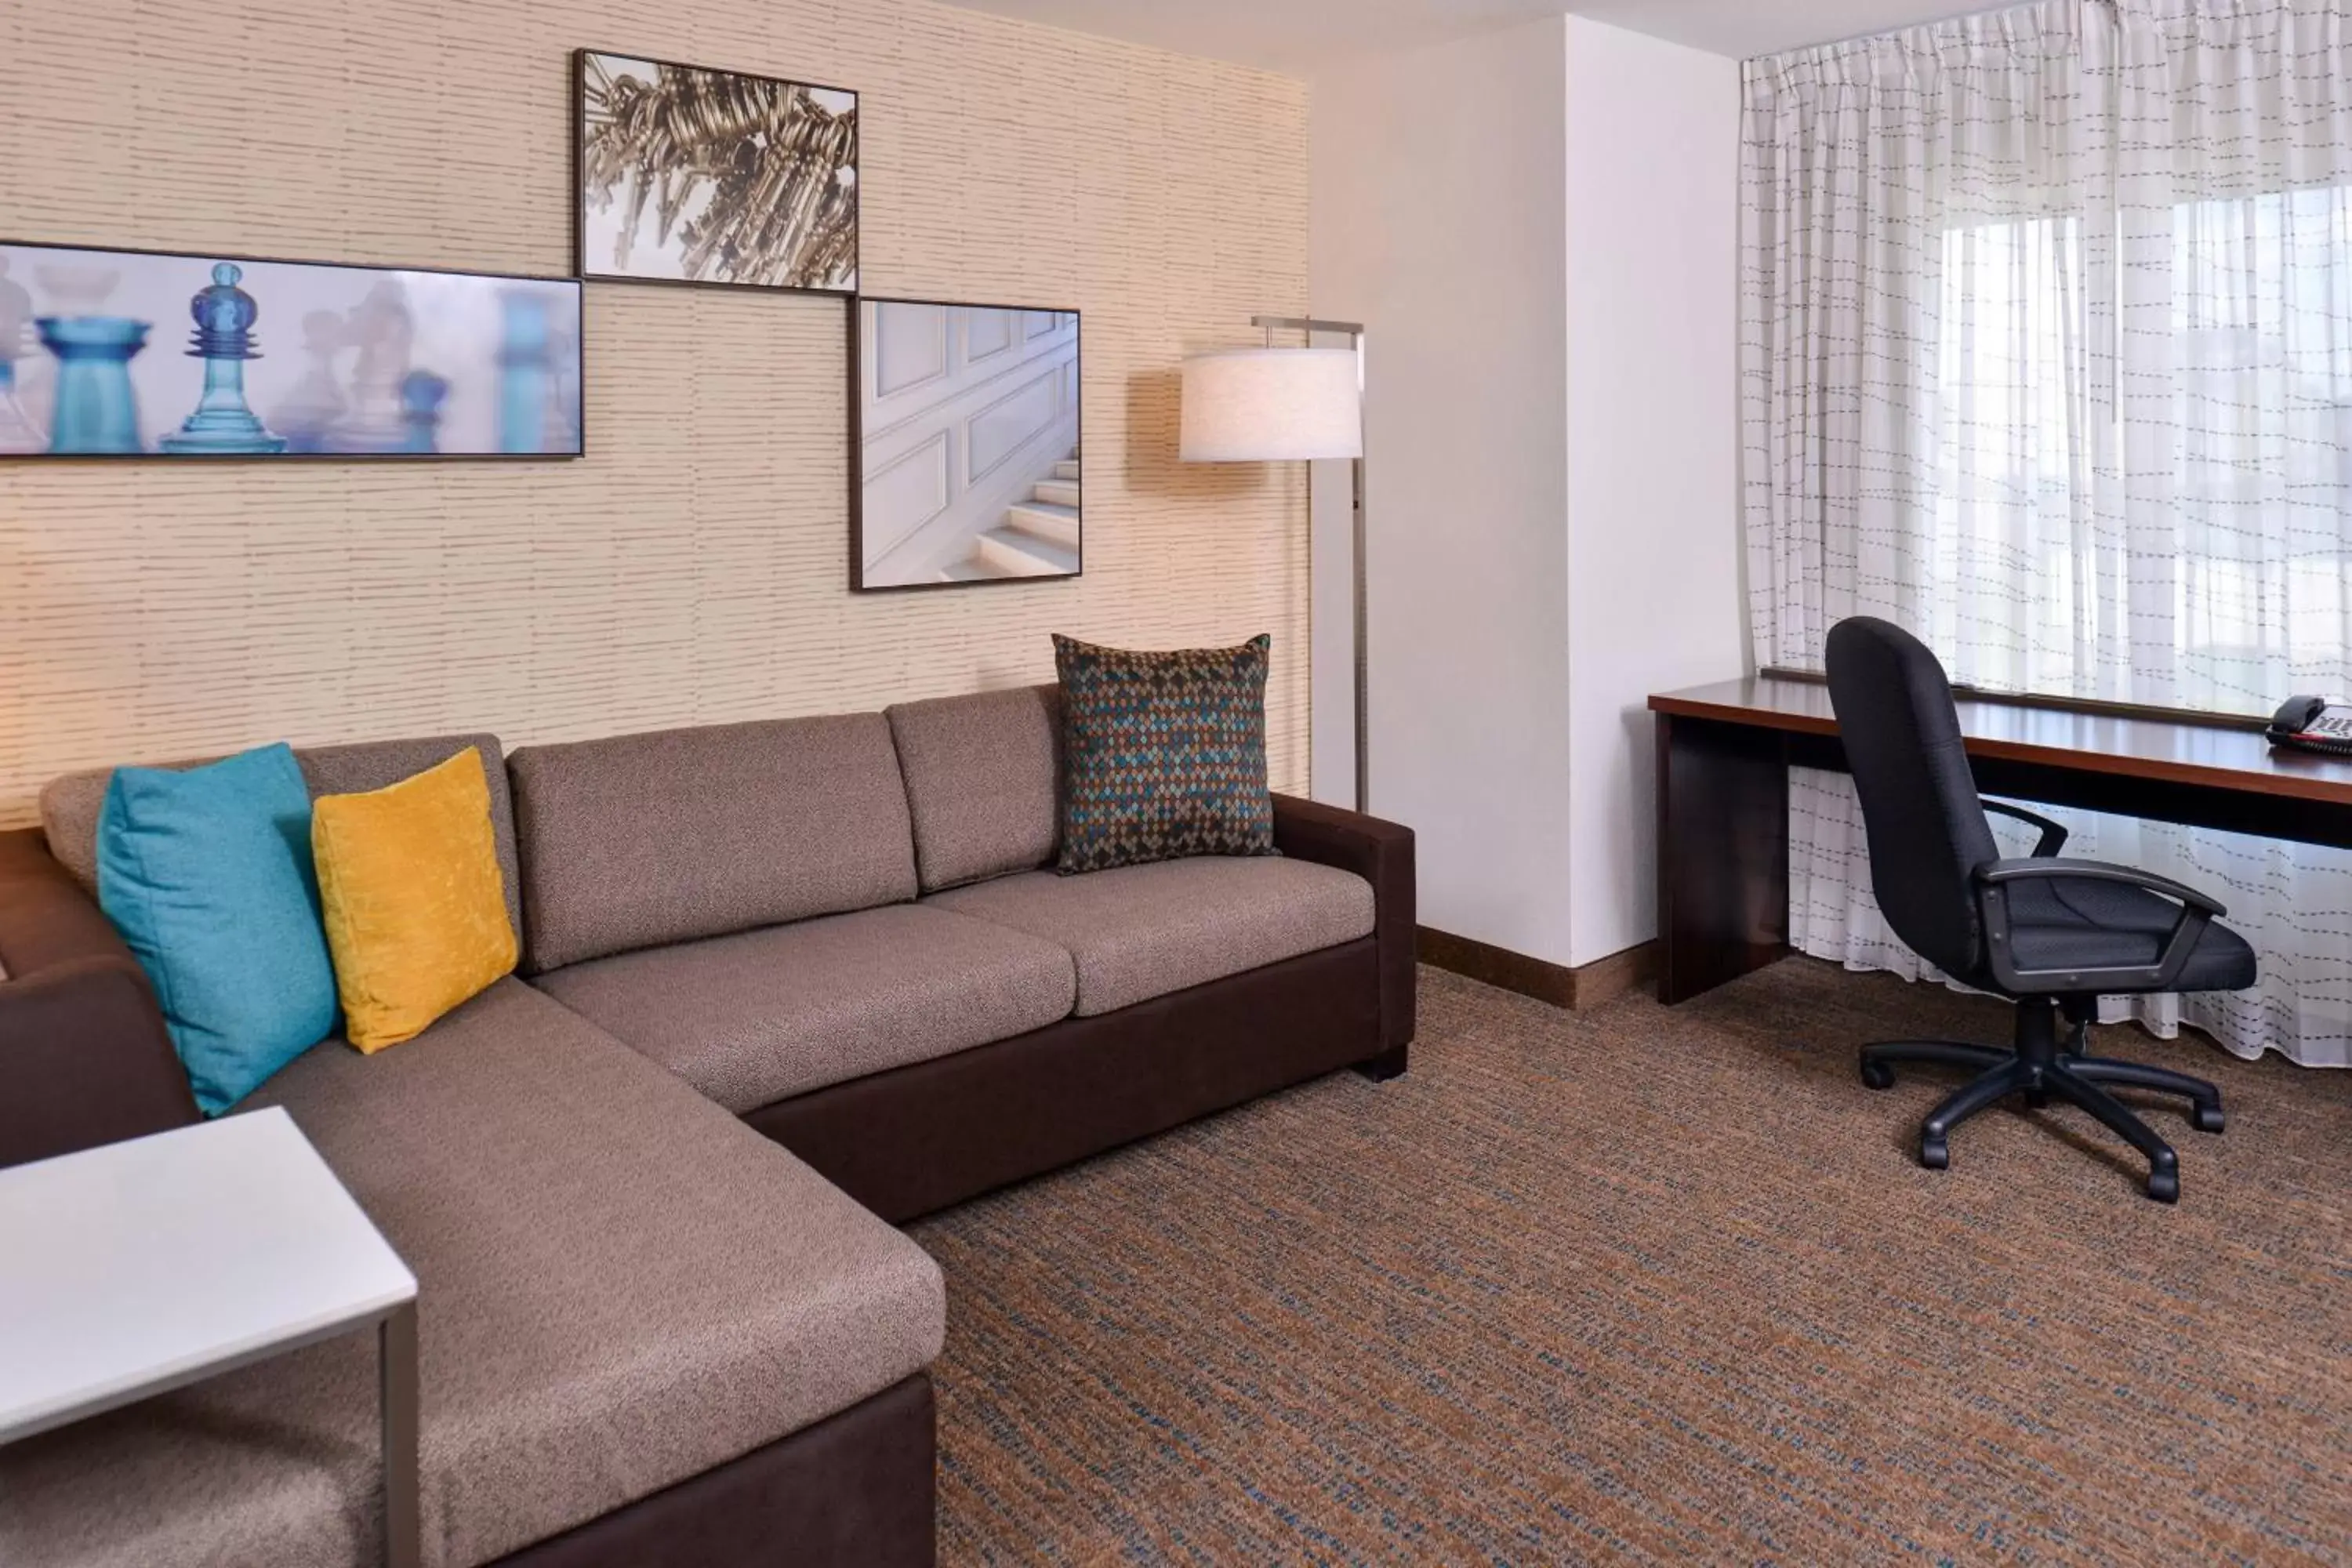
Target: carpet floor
column 1667, row 1287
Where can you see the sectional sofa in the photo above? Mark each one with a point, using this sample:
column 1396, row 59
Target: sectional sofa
column 783, row 986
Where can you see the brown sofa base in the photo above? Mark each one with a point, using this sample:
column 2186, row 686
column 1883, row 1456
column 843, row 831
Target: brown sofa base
column 913, row 1141
column 855, row 1490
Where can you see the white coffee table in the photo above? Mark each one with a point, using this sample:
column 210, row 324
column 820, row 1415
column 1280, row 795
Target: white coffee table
column 146, row 1266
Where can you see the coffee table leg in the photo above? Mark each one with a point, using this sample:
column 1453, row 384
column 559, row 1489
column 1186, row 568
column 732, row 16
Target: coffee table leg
column 396, row 1340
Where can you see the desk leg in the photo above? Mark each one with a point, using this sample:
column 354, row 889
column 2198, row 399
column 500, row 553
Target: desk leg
column 1723, row 853
column 396, row 1342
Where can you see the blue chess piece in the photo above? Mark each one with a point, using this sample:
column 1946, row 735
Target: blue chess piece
column 97, row 411
column 526, row 371
column 422, row 392
column 222, row 423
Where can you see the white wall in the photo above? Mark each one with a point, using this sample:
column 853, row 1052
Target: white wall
column 1537, row 226
column 1654, row 453
column 1434, row 218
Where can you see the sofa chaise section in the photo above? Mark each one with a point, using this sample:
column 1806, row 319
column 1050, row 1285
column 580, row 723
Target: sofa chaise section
column 623, row 1288
column 650, row 1336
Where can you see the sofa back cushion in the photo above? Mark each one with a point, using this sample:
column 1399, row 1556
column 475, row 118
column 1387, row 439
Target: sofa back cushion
column 71, row 804
column 645, row 839
column 981, row 773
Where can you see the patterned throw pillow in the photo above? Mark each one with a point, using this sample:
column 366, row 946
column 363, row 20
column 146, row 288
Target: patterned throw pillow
column 1164, row 754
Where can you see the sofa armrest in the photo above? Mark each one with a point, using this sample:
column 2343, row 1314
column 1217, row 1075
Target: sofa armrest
column 84, row 1056
column 1381, row 854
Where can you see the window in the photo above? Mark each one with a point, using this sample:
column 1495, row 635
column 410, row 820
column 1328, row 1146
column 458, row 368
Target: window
column 2143, row 435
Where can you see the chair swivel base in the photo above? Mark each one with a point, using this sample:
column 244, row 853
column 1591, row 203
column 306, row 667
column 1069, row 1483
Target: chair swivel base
column 2041, row 1070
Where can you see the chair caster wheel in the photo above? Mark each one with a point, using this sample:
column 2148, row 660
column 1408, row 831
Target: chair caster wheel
column 2164, row 1186
column 1935, row 1153
column 2208, row 1119
column 2037, row 1100
column 1877, row 1075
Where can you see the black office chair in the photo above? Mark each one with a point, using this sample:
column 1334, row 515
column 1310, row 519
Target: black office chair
column 2051, row 935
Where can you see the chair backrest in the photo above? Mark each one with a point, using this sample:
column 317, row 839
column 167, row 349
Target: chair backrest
column 1926, row 827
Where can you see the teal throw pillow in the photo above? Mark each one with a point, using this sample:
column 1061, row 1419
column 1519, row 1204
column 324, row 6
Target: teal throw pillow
column 207, row 875
column 1163, row 754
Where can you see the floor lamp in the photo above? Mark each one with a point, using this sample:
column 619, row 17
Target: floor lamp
column 1269, row 405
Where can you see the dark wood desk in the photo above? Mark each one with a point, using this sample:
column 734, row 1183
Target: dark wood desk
column 1725, row 752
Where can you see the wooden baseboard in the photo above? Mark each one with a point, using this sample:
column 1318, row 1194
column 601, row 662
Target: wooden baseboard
column 1574, row 989
column 1606, row 979
column 1499, row 966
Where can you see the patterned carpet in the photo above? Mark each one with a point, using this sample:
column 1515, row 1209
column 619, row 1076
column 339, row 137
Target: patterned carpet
column 1661, row 1287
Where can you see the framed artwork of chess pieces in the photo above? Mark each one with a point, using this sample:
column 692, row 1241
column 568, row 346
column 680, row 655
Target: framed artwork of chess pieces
column 685, row 175
column 966, row 443
column 133, row 353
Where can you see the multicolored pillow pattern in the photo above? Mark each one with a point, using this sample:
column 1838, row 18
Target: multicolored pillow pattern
column 1164, row 754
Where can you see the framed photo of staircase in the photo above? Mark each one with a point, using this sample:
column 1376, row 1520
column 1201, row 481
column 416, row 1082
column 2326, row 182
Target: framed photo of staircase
column 967, row 444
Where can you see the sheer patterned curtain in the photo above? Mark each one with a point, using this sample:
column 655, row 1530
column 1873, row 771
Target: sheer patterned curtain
column 2048, row 356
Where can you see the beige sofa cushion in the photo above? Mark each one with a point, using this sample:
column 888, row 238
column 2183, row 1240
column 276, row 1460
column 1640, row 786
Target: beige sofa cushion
column 69, row 805
column 621, row 1286
column 761, row 1015
column 645, row 839
column 1142, row 932
column 981, row 775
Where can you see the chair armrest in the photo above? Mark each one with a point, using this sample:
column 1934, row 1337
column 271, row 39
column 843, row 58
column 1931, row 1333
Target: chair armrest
column 2053, row 834
column 84, row 1056
column 1382, row 853
column 1995, row 879
column 2002, row 872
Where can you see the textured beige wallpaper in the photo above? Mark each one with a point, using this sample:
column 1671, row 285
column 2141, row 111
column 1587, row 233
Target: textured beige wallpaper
column 693, row 567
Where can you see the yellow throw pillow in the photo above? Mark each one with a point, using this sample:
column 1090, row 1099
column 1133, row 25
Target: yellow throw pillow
column 415, row 906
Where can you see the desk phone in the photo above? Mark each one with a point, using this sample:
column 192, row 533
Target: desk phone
column 2314, row 724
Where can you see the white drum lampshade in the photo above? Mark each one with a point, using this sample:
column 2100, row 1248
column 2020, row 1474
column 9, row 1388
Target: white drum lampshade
column 1257, row 405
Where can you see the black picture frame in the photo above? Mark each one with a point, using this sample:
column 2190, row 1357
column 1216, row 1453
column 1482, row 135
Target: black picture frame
column 243, row 258
column 854, row 307
column 581, row 259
